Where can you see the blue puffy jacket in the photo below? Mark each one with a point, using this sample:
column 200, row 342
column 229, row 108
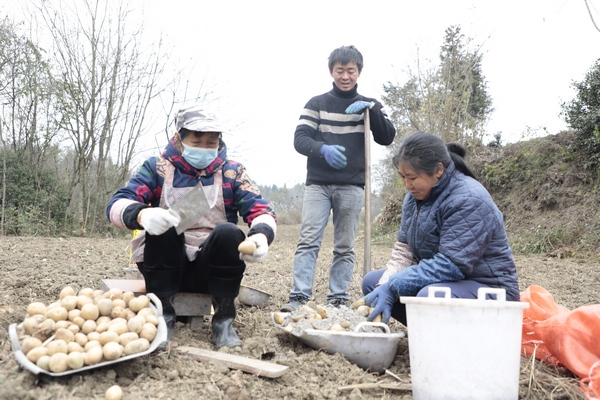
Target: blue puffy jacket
column 457, row 233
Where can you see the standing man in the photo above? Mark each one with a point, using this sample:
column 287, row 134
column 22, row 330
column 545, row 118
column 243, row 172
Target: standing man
column 330, row 133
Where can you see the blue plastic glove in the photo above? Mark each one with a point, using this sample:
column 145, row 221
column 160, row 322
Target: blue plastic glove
column 382, row 299
column 334, row 155
column 358, row 106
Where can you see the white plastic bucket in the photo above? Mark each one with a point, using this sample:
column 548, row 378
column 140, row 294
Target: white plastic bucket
column 464, row 348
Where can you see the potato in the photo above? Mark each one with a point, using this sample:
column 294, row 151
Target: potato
column 93, row 336
column 144, row 312
column 87, row 292
column 81, row 338
column 148, row 331
column 278, row 318
column 247, row 247
column 57, row 346
column 75, row 360
column 358, row 303
column 64, row 334
column 113, row 393
column 104, row 319
column 88, row 326
column 108, row 336
column 119, row 303
column 57, row 313
column 135, row 324
column 58, row 362
column 64, row 324
column 48, row 324
column 114, row 293
column 73, row 347
column 138, row 303
column 74, row 314
column 98, row 293
column 127, row 337
column 29, row 325
column 30, row 343
column 130, row 314
column 136, row 346
column 105, row 306
column 152, row 319
column 119, row 327
column 69, row 302
column 74, row 328
column 118, row 312
column 67, row 291
column 93, row 355
column 112, row 350
column 345, row 324
column 90, row 311
column 127, row 296
column 103, row 327
column 79, row 321
column 83, row 300
column 43, row 362
column 36, row 308
column 53, row 305
column 35, row 353
column 322, row 312
column 336, row 328
column 90, row 344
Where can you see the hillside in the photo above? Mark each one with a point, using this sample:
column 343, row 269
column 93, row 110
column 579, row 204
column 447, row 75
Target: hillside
column 548, row 198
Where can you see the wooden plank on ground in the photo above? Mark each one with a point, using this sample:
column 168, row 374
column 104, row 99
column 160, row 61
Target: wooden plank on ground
column 251, row 365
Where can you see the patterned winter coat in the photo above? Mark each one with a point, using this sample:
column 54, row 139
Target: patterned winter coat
column 456, row 233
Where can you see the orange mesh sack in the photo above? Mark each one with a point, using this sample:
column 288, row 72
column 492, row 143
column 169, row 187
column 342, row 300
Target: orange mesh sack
column 541, row 307
column 573, row 338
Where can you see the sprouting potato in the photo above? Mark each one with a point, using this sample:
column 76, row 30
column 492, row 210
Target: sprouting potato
column 67, row 291
column 93, row 355
column 36, row 308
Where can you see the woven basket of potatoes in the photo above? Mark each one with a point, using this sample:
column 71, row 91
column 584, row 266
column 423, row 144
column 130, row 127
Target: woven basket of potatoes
column 87, row 329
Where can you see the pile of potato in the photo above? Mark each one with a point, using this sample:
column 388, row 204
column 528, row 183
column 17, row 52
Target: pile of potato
column 85, row 328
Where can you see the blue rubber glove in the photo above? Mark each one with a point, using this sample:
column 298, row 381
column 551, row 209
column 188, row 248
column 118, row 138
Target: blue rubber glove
column 382, row 299
column 334, row 155
column 358, row 106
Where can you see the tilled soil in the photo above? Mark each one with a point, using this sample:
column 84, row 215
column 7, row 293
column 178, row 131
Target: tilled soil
column 36, row 269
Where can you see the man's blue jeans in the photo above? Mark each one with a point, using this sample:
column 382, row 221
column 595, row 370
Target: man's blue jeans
column 346, row 202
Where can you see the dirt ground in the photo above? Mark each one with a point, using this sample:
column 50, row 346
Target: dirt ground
column 36, row 269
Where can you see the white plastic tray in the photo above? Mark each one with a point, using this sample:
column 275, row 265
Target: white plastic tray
column 161, row 337
column 371, row 351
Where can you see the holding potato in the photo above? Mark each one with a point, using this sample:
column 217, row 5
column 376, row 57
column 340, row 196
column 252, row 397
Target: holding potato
column 176, row 253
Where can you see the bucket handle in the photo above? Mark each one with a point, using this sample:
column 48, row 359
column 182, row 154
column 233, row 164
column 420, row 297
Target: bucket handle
column 483, row 291
column 439, row 289
column 369, row 323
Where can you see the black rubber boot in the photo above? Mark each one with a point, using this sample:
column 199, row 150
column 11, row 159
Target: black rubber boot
column 169, row 315
column 222, row 321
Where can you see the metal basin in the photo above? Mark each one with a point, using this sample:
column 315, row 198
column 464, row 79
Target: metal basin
column 253, row 297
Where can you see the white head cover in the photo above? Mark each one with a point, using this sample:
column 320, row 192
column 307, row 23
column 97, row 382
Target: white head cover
column 196, row 118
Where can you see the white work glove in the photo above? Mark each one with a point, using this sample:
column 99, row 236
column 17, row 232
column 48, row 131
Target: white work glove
column 261, row 251
column 156, row 220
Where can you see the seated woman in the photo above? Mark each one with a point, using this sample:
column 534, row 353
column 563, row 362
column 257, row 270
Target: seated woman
column 451, row 234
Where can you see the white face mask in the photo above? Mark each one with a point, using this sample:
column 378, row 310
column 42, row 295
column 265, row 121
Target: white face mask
column 199, row 157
